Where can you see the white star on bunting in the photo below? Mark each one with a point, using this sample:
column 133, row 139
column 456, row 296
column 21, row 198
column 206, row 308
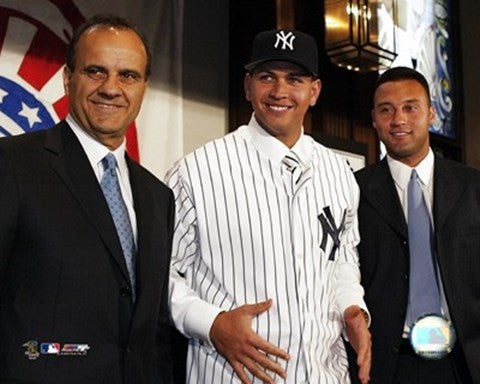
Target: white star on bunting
column 30, row 113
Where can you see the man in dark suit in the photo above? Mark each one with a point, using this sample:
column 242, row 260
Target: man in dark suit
column 401, row 116
column 83, row 288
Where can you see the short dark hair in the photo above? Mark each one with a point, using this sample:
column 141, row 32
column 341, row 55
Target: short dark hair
column 105, row 20
column 402, row 73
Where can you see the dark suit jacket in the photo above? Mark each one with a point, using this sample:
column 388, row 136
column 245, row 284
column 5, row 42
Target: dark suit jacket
column 384, row 259
column 63, row 278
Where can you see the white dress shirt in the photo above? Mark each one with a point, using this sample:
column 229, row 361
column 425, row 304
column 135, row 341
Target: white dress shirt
column 247, row 231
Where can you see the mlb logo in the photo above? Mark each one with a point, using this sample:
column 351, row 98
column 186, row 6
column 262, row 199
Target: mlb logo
column 50, row 348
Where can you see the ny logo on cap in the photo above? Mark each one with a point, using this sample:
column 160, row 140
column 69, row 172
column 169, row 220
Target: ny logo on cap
column 286, row 39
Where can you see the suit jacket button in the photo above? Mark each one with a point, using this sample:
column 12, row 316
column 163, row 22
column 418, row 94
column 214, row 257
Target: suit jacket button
column 395, row 350
column 126, row 292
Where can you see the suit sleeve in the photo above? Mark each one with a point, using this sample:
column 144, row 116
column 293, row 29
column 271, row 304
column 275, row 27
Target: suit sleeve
column 8, row 209
column 191, row 315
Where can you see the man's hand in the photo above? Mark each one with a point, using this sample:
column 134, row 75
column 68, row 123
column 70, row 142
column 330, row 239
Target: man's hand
column 234, row 339
column 360, row 339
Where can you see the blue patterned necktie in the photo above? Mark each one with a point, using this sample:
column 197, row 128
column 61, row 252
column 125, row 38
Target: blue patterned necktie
column 119, row 212
column 424, row 296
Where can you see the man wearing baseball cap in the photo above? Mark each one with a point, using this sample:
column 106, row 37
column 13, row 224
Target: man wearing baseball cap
column 264, row 275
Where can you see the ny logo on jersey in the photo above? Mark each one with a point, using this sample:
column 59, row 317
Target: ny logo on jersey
column 285, row 39
column 329, row 228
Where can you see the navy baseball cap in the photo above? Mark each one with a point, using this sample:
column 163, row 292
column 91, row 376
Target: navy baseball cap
column 285, row 45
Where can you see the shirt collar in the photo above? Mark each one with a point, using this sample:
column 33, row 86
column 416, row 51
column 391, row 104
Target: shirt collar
column 401, row 172
column 95, row 150
column 273, row 148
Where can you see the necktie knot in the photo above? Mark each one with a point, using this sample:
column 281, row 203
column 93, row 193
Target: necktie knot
column 291, row 161
column 414, row 175
column 415, row 194
column 295, row 173
column 109, row 163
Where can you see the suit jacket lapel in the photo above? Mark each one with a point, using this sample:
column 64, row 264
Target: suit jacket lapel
column 70, row 162
column 142, row 201
column 382, row 195
column 447, row 189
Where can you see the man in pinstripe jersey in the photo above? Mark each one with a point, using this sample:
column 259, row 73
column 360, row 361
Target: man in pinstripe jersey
column 264, row 275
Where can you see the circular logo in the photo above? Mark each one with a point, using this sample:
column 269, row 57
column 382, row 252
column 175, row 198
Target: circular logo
column 432, row 337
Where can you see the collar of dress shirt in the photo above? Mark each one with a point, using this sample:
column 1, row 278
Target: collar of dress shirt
column 401, row 172
column 273, row 148
column 96, row 151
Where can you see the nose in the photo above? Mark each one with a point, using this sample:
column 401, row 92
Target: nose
column 398, row 117
column 110, row 86
column 279, row 89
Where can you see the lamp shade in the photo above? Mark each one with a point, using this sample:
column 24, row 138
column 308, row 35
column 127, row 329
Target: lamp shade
column 360, row 34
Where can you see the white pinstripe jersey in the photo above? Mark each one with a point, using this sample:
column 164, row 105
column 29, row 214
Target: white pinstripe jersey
column 246, row 231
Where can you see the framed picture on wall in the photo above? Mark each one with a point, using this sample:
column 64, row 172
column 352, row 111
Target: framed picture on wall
column 423, row 36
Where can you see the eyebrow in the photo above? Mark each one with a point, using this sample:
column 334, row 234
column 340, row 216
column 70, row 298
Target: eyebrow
column 122, row 71
column 100, row 67
column 403, row 102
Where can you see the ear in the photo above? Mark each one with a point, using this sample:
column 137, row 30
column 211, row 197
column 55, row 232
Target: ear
column 374, row 123
column 247, row 81
column 315, row 91
column 67, row 76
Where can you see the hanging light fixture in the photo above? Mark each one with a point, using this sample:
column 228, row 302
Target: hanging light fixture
column 360, row 34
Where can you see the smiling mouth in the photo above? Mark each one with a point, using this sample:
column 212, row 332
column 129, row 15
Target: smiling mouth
column 400, row 134
column 279, row 108
column 106, row 106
